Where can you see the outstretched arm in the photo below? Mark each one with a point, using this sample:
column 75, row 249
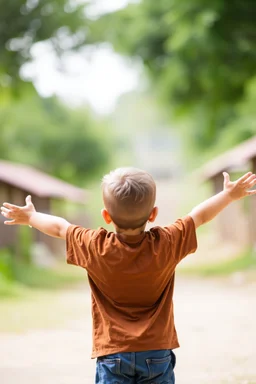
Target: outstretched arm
column 232, row 191
column 50, row 225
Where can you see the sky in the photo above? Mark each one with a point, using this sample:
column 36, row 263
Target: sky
column 96, row 77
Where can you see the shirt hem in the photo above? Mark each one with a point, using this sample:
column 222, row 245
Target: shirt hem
column 109, row 351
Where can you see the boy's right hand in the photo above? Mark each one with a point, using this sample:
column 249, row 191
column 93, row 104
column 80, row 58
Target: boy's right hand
column 239, row 188
column 17, row 214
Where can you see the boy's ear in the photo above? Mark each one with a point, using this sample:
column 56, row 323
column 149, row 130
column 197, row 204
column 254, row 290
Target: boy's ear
column 153, row 214
column 106, row 216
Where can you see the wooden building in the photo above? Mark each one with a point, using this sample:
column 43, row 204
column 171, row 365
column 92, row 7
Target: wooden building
column 16, row 182
column 238, row 221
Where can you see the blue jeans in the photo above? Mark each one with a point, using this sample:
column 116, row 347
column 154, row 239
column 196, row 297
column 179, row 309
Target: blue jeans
column 147, row 367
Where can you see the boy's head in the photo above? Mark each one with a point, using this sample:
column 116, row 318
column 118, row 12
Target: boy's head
column 129, row 196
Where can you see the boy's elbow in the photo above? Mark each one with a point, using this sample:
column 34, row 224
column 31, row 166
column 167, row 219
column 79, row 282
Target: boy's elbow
column 62, row 229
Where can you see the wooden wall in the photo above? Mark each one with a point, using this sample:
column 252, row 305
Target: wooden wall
column 9, row 235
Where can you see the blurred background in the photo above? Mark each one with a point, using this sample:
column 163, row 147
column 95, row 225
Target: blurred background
column 88, row 86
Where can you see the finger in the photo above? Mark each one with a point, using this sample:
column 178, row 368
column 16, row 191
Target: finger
column 9, row 222
column 226, row 177
column 250, row 193
column 10, row 206
column 3, row 209
column 249, row 179
column 251, row 184
column 6, row 214
column 244, row 177
column 28, row 200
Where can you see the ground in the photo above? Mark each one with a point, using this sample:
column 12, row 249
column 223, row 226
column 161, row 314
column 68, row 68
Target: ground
column 215, row 320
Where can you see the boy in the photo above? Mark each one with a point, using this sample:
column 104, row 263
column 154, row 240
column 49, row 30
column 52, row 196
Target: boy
column 131, row 271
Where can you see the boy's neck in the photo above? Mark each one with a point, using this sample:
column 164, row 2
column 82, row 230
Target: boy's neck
column 130, row 232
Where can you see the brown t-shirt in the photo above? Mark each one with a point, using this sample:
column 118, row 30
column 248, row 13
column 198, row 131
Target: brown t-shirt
column 132, row 282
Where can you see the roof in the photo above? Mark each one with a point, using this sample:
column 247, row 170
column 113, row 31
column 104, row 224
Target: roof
column 39, row 183
column 234, row 158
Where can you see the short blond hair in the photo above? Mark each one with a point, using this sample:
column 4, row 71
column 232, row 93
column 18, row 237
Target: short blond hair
column 129, row 196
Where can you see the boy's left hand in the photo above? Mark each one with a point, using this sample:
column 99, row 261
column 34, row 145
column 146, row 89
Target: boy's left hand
column 239, row 188
column 17, row 214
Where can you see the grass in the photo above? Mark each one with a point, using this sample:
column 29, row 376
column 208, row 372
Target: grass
column 30, row 278
column 44, row 278
column 10, row 289
column 35, row 298
column 243, row 262
column 42, row 309
column 18, row 278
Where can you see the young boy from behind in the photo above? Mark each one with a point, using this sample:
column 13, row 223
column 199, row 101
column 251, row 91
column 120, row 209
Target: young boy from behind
column 131, row 271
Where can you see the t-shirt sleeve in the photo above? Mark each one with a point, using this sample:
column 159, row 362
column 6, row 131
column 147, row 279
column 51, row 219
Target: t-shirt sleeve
column 183, row 238
column 78, row 242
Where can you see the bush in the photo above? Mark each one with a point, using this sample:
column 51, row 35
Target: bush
column 6, row 265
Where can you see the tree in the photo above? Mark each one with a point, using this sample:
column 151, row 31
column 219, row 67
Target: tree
column 69, row 144
column 200, row 55
column 25, row 22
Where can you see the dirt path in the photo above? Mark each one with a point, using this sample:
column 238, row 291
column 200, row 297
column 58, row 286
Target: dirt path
column 217, row 328
column 215, row 320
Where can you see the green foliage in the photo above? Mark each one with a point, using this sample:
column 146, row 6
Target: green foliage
column 16, row 278
column 239, row 129
column 43, row 278
column 69, row 144
column 25, row 22
column 8, row 286
column 200, row 55
column 25, row 242
column 6, row 264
